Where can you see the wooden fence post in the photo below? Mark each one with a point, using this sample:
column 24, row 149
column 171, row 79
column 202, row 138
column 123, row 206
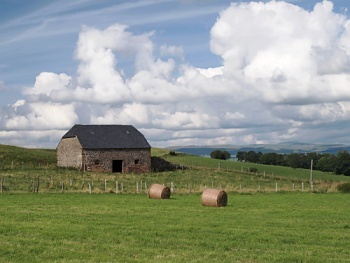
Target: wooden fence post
column 37, row 187
column 172, row 189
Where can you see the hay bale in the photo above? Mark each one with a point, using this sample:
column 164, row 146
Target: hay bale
column 214, row 197
column 158, row 191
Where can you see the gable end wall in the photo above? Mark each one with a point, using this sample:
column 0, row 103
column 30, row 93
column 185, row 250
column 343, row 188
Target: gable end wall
column 69, row 153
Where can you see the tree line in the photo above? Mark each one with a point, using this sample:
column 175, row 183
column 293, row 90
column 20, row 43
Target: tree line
column 325, row 162
column 222, row 155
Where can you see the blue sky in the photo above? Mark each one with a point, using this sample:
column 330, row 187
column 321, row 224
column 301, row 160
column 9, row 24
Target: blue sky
column 42, row 35
column 183, row 72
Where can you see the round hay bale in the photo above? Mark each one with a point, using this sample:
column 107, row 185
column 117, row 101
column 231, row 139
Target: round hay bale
column 158, row 191
column 214, row 197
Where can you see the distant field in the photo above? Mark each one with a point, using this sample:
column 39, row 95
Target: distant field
column 269, row 170
column 292, row 227
column 27, row 170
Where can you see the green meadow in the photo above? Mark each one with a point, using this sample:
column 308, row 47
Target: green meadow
column 293, row 227
column 49, row 214
column 26, row 170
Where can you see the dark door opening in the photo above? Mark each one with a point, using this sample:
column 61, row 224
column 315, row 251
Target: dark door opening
column 117, row 166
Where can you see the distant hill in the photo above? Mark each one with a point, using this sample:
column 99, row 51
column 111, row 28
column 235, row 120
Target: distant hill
column 282, row 148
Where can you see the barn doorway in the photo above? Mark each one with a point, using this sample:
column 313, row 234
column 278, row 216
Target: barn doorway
column 117, row 166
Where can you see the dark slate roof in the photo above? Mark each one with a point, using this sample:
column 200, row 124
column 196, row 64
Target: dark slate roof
column 108, row 136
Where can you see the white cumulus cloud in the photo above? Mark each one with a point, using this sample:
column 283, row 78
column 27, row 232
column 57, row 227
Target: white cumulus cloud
column 284, row 51
column 285, row 75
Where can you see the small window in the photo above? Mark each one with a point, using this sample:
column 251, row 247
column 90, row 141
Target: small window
column 137, row 161
column 97, row 162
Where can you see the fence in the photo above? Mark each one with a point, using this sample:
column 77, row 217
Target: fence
column 41, row 178
column 11, row 165
column 35, row 184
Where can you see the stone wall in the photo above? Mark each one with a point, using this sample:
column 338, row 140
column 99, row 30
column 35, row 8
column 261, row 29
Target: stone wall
column 160, row 165
column 69, row 153
column 133, row 160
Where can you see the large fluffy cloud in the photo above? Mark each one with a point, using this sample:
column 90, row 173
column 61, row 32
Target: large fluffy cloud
column 285, row 53
column 285, row 75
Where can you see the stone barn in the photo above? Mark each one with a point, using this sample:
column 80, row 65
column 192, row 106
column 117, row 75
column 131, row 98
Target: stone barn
column 110, row 148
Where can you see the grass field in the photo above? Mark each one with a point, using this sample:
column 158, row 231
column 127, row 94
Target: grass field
column 292, row 227
column 27, row 170
column 62, row 222
column 192, row 180
column 268, row 170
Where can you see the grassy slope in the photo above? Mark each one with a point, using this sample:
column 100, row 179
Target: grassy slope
column 22, row 156
column 15, row 156
column 268, row 170
column 29, row 165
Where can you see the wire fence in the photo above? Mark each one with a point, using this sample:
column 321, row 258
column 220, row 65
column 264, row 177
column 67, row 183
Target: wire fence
column 42, row 177
column 101, row 184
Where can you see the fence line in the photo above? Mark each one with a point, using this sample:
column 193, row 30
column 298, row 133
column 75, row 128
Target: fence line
column 259, row 182
column 36, row 184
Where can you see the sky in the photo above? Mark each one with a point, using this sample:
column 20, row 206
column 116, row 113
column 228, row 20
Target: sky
column 185, row 72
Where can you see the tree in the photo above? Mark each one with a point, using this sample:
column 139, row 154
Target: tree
column 226, row 155
column 240, row 156
column 222, row 155
column 342, row 164
column 294, row 160
column 326, row 163
column 253, row 157
column 215, row 154
column 274, row 159
column 313, row 156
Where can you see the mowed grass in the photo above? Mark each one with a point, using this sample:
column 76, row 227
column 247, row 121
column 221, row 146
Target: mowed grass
column 293, row 227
